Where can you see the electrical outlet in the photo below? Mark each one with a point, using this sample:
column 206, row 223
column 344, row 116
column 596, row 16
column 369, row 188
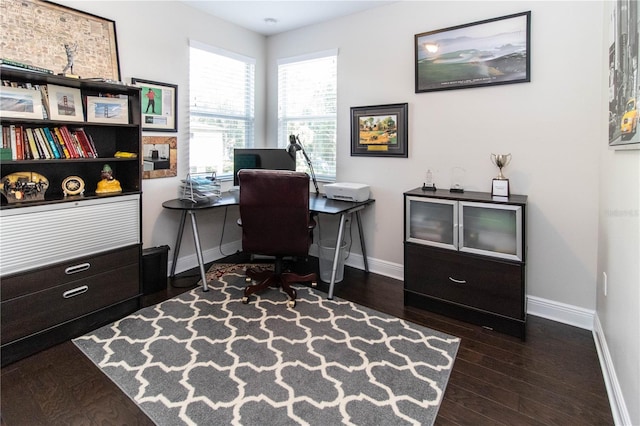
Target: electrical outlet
column 604, row 283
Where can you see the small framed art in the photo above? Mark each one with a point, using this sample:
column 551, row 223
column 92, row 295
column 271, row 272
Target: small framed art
column 65, row 103
column 107, row 110
column 16, row 102
column 380, row 131
column 159, row 105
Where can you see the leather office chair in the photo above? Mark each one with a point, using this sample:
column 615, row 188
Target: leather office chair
column 275, row 221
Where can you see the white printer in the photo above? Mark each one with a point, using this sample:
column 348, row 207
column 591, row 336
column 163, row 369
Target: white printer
column 347, row 191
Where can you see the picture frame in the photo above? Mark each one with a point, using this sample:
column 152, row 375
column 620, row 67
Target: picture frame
column 624, row 113
column 163, row 99
column 45, row 24
column 380, row 130
column 65, row 103
column 18, row 102
column 484, row 53
column 159, row 156
column 102, row 109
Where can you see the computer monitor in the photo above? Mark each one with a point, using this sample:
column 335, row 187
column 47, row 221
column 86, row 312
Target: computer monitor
column 261, row 158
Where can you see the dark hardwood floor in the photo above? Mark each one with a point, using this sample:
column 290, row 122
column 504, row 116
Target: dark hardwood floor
column 553, row 378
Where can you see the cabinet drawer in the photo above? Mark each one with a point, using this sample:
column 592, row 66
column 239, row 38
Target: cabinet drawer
column 44, row 278
column 484, row 284
column 36, row 312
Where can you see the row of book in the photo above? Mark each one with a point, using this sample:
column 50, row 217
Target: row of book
column 26, row 143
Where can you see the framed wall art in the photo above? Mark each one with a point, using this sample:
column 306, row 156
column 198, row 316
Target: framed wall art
column 624, row 53
column 107, row 110
column 159, row 105
column 380, row 130
column 159, row 156
column 17, row 102
column 35, row 32
column 65, row 103
column 484, row 53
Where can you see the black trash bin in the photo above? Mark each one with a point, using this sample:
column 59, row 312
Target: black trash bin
column 154, row 269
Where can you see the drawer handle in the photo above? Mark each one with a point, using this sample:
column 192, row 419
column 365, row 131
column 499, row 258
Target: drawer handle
column 75, row 292
column 77, row 268
column 458, row 281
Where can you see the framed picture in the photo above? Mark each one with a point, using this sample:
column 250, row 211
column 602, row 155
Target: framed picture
column 35, row 32
column 380, row 131
column 159, row 105
column 159, row 156
column 107, row 110
column 17, row 102
column 65, row 103
column 490, row 52
column 624, row 50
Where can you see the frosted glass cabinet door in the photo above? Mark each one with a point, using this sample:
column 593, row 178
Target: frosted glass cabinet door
column 432, row 222
column 491, row 229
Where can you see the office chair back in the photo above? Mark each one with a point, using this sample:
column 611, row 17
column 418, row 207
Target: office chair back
column 274, row 210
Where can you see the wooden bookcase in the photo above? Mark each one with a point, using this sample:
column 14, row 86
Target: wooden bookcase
column 71, row 263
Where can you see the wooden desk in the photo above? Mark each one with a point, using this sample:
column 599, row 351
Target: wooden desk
column 317, row 204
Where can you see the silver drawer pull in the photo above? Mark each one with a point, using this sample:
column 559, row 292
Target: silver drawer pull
column 458, row 281
column 77, row 268
column 75, row 292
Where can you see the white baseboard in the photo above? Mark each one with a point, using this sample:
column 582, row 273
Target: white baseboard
column 560, row 312
column 616, row 399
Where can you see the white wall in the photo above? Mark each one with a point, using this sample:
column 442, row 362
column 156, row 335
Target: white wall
column 618, row 327
column 551, row 127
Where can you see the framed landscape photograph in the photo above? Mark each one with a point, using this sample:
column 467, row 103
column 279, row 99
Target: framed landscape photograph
column 159, row 105
column 484, row 53
column 17, row 102
column 107, row 110
column 380, row 131
column 65, row 103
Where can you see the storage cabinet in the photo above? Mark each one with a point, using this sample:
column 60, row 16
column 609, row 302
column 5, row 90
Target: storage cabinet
column 71, row 263
column 465, row 257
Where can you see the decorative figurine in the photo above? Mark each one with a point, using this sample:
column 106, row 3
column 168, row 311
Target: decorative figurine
column 108, row 184
column 71, row 50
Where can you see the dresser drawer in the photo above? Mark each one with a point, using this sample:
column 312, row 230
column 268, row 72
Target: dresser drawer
column 476, row 282
column 44, row 278
column 41, row 310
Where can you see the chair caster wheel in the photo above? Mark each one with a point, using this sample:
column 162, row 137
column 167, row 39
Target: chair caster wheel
column 245, row 300
column 314, row 284
column 291, row 304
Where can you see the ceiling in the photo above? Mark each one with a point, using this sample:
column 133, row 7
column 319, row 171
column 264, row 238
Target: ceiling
column 288, row 15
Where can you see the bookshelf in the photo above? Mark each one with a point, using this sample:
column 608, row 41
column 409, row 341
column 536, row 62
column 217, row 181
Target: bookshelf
column 70, row 261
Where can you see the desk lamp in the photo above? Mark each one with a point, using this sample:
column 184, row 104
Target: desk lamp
column 296, row 145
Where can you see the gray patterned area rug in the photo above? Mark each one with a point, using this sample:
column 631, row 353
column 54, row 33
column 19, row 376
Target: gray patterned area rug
column 208, row 359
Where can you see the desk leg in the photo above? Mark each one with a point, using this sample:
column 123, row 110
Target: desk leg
column 336, row 257
column 176, row 249
column 196, row 240
column 362, row 245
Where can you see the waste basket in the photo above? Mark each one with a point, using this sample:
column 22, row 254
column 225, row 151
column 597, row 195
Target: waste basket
column 327, row 254
column 154, row 269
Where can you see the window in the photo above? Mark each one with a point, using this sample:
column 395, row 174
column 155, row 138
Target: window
column 221, row 107
column 307, row 107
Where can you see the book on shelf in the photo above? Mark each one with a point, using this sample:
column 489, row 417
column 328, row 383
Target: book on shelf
column 19, row 143
column 36, row 151
column 86, row 143
column 10, row 64
column 12, row 142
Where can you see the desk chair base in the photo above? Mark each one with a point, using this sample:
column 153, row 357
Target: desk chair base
column 277, row 278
